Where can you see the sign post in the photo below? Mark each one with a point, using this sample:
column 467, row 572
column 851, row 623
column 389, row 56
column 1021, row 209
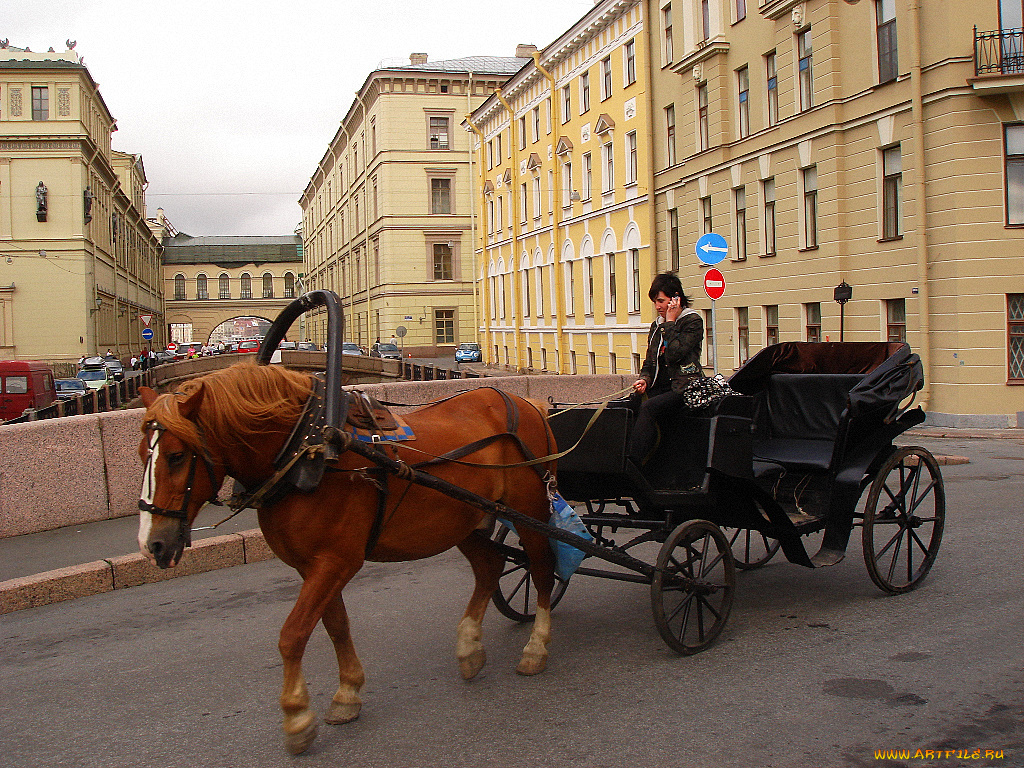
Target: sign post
column 711, row 249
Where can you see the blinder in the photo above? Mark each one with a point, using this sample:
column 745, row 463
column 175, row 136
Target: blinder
column 149, row 478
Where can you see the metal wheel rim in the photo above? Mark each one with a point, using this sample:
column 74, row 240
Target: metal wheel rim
column 687, row 620
column 751, row 549
column 516, row 597
column 903, row 520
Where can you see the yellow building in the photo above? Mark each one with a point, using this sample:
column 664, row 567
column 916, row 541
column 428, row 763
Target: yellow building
column 878, row 143
column 565, row 254
column 387, row 216
column 79, row 265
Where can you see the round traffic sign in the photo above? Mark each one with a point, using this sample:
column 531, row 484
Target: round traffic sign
column 711, row 248
column 147, row 333
column 172, row 347
column 714, row 284
column 400, row 331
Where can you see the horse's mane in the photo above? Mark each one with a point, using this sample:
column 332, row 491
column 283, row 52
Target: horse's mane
column 239, row 403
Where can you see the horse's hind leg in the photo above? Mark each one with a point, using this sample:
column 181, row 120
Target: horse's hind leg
column 487, row 563
column 542, row 570
column 346, row 703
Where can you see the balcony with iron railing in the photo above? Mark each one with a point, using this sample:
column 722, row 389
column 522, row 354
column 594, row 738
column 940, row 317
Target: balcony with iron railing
column 998, row 60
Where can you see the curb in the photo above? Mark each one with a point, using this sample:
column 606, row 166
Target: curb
column 130, row 571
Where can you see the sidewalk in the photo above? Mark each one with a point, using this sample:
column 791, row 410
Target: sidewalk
column 65, row 563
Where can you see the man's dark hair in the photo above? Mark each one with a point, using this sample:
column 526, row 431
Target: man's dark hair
column 668, row 283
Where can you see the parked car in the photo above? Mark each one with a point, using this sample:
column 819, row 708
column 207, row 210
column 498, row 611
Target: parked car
column 308, row 346
column 115, row 366
column 249, row 346
column 351, row 348
column 163, row 356
column 468, row 352
column 24, row 384
column 288, row 345
column 95, row 373
column 386, row 351
column 70, row 388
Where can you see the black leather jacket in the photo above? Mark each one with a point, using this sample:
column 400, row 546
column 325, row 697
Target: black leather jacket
column 683, row 339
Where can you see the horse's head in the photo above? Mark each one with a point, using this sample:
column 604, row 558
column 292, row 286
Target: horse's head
column 180, row 476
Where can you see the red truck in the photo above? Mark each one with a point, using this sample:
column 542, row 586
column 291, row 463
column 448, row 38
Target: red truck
column 24, row 384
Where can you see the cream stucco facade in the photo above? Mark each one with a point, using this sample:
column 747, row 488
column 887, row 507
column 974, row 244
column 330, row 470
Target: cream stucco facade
column 79, row 264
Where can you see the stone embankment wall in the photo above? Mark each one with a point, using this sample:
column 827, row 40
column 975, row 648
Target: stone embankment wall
column 81, row 469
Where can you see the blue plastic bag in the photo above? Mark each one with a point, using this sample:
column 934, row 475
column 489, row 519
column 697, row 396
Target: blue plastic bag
column 567, row 557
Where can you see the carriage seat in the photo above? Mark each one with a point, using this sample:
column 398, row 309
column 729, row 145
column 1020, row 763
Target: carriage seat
column 797, row 421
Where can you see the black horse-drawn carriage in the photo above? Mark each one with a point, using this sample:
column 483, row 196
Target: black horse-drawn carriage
column 810, row 428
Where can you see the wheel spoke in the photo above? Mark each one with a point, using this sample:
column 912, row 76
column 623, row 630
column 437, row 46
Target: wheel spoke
column 893, row 540
column 924, row 495
column 895, row 556
column 524, row 580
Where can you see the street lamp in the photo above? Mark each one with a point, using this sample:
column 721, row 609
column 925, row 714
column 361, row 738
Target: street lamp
column 842, row 294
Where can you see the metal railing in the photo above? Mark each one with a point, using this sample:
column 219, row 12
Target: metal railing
column 999, row 52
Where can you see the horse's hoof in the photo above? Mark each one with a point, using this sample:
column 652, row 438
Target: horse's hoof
column 532, row 665
column 471, row 665
column 343, row 712
column 297, row 743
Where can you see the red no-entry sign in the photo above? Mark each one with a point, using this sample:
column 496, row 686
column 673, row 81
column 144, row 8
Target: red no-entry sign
column 714, row 284
column 172, row 347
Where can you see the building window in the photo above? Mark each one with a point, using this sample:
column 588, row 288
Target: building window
column 705, row 215
column 742, row 334
column 631, row 159
column 289, row 285
column 739, row 196
column 440, row 133
column 566, row 104
column 666, row 25
column 440, row 195
column 442, row 261
column 741, row 10
column 810, row 184
column 673, row 238
column 224, row 286
column 609, row 167
column 606, row 77
column 771, row 325
column 670, row 134
column 704, row 129
column 896, row 320
column 610, row 278
column 892, row 194
column 526, row 293
column 588, row 179
column 1015, row 174
column 246, row 286
column 705, row 19
column 522, row 131
column 709, row 338
column 179, row 287
column 768, row 192
column 806, row 69
column 1015, row 334
column 570, row 279
column 588, row 275
column 634, row 268
column 268, row 285
column 536, row 124
column 773, row 88
column 743, row 93
column 885, row 20
column 202, row 292
column 523, row 202
column 444, row 326
column 584, row 92
column 812, row 327
column 40, row 102
column 630, row 62
column 567, row 183
column 537, row 198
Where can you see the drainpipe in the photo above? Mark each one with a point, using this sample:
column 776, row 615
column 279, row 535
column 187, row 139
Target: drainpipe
column 472, row 210
column 485, row 292
column 649, row 109
column 366, row 215
column 920, row 204
column 513, row 195
column 556, row 222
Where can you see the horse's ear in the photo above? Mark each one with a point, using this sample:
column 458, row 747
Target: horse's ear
column 148, row 396
column 190, row 405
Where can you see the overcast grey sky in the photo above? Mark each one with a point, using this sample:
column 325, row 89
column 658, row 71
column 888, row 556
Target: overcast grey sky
column 232, row 103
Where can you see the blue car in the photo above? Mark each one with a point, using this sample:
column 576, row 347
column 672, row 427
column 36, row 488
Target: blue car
column 468, row 352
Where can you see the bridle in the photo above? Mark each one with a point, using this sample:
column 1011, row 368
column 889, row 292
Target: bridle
column 149, row 479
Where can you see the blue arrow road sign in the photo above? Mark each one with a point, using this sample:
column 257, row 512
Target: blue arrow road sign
column 147, row 333
column 711, row 248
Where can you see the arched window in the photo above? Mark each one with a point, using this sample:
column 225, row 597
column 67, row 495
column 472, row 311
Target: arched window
column 201, row 288
column 246, row 286
column 268, row 285
column 179, row 287
column 289, row 285
column 224, row 288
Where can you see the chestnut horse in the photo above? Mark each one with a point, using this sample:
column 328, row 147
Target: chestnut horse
column 233, row 422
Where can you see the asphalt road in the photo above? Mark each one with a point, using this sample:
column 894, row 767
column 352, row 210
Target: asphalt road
column 815, row 669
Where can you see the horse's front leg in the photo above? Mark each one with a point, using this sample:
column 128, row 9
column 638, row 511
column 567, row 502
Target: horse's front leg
column 487, row 562
column 346, row 703
column 318, row 591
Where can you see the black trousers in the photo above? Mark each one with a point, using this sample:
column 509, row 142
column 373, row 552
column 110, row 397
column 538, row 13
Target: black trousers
column 644, row 438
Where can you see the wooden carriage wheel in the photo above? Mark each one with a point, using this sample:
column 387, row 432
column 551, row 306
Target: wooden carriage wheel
column 516, row 597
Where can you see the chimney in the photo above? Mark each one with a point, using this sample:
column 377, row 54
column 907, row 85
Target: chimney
column 525, row 50
column 417, row 58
